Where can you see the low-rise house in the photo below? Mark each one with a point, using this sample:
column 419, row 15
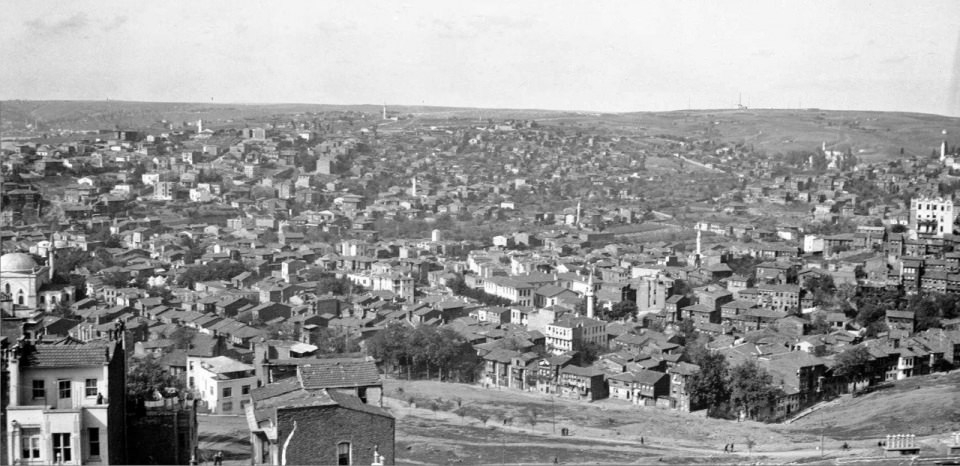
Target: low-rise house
column 582, row 383
column 642, row 387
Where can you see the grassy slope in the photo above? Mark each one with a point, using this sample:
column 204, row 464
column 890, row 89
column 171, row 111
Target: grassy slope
column 922, row 406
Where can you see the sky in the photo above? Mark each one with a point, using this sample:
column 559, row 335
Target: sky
column 604, row 56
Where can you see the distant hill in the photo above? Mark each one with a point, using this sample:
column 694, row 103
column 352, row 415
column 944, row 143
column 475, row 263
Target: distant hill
column 870, row 135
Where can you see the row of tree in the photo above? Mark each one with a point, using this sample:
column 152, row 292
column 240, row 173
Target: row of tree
column 424, row 351
column 727, row 392
column 459, row 287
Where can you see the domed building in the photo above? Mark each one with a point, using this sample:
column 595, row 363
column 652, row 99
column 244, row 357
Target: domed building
column 28, row 285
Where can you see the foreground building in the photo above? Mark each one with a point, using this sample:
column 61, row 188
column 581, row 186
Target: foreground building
column 67, row 403
column 290, row 424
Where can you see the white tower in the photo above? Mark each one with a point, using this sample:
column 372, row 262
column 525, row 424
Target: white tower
column 591, row 299
column 699, row 250
column 943, row 147
column 384, row 110
column 577, row 223
column 413, row 192
column 199, row 126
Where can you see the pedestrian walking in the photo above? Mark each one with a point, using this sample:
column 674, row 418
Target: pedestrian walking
column 726, row 448
column 218, row 458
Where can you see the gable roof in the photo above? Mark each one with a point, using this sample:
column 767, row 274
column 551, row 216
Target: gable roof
column 336, row 373
column 63, row 356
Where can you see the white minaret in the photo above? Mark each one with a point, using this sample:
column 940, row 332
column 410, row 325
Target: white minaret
column 699, row 250
column 199, row 126
column 578, row 214
column 413, row 192
column 51, row 260
column 591, row 299
column 384, row 110
column 943, row 147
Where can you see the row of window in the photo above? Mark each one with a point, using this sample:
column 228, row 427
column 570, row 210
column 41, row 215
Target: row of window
column 228, row 391
column 62, row 449
column 64, row 389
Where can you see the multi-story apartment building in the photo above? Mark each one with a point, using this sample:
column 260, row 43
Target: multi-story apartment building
column 221, row 383
column 67, row 403
column 573, row 333
column 932, row 216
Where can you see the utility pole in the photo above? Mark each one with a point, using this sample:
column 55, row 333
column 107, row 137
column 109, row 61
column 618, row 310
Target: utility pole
column 553, row 412
column 821, row 435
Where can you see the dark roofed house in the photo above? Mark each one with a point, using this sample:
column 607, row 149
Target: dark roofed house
column 358, row 376
column 900, row 321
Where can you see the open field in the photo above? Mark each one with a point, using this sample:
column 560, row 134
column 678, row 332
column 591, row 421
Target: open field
column 921, row 406
column 228, row 434
column 512, row 427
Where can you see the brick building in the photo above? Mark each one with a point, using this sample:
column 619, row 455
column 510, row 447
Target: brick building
column 292, row 425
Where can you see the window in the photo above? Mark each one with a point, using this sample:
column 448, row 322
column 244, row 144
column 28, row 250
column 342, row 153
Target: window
column 93, row 435
column 362, row 393
column 190, row 384
column 227, row 392
column 227, row 406
column 39, row 392
column 90, row 388
column 343, row 453
column 61, row 448
column 64, row 388
column 30, row 444
column 245, row 390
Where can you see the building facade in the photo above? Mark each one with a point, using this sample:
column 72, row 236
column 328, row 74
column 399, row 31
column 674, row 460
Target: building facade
column 67, row 404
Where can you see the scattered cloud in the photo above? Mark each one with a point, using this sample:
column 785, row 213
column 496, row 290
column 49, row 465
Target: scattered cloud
column 478, row 25
column 763, row 53
column 42, row 27
column 116, row 23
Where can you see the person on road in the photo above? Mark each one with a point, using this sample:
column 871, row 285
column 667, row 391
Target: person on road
column 218, row 458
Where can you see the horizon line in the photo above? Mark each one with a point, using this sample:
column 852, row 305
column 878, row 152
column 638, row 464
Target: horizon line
column 464, row 108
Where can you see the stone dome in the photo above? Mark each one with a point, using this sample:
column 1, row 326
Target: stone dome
column 17, row 262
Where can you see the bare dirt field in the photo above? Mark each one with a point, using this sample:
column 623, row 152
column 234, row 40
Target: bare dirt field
column 450, row 423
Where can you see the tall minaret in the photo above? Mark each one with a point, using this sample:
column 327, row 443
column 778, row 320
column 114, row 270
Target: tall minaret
column 578, row 214
column 384, row 110
column 199, row 126
column 699, row 250
column 591, row 299
column 943, row 147
column 413, row 192
column 52, row 255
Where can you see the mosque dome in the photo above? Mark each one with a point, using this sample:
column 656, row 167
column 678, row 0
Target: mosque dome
column 17, row 262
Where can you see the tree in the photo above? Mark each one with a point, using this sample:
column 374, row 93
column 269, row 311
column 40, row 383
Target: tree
column 532, row 416
column 182, row 338
column 708, row 387
column 218, row 270
column 622, row 310
column 751, row 388
column 852, row 363
column 589, row 352
column 147, row 376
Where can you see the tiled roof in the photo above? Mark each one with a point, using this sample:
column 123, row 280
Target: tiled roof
column 47, row 356
column 336, row 373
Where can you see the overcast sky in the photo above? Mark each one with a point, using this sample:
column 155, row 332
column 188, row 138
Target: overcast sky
column 596, row 55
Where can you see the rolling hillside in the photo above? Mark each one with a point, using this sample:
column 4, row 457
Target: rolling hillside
column 871, row 135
